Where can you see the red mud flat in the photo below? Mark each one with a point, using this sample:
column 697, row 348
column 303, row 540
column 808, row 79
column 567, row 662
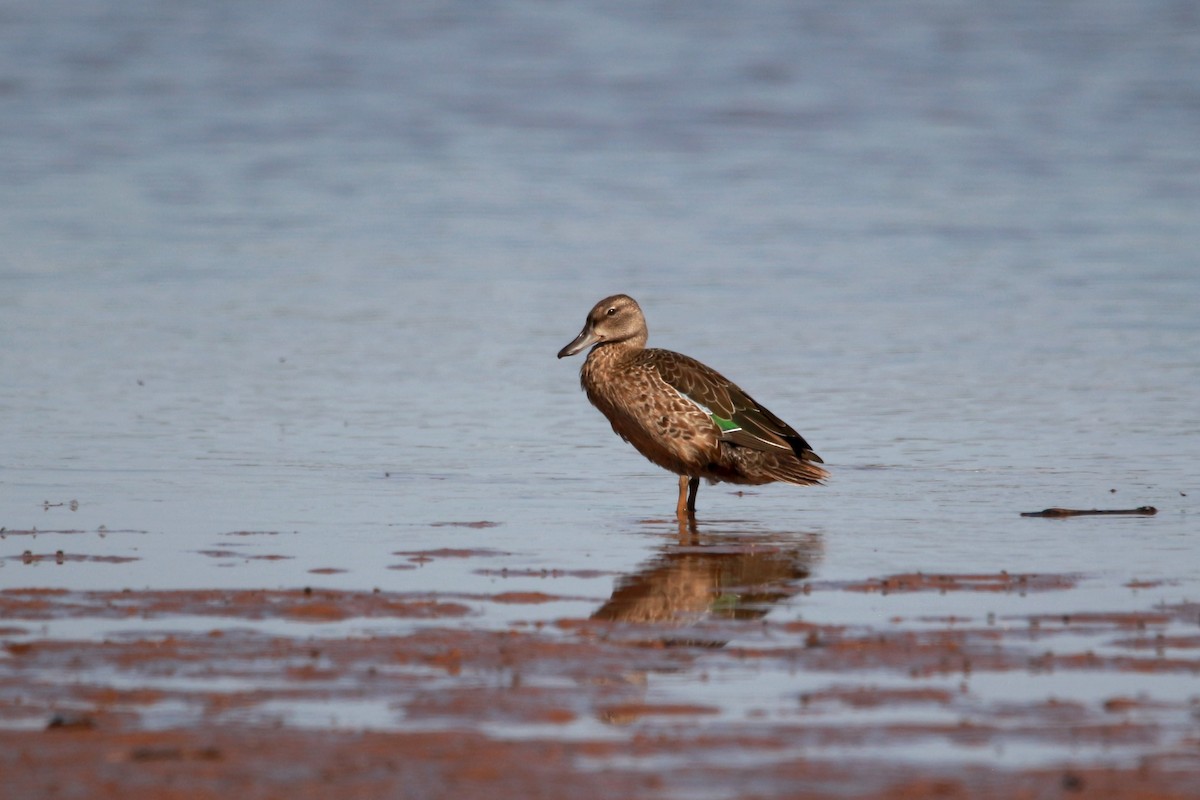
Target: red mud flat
column 62, row 557
column 989, row 582
column 234, row 554
column 202, row 762
column 569, row 709
column 424, row 556
column 35, row 532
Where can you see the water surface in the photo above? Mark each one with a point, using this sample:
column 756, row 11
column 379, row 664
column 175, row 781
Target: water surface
column 300, row 272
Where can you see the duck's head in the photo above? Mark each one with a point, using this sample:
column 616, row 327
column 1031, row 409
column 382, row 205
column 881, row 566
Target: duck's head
column 614, row 319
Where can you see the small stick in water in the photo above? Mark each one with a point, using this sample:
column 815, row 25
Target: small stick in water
column 1075, row 512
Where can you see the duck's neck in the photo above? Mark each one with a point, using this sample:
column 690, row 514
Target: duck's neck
column 615, row 352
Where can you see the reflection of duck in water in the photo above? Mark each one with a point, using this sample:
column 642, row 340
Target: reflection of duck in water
column 682, row 415
column 730, row 576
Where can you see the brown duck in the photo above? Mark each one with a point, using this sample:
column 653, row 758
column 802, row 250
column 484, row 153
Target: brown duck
column 680, row 414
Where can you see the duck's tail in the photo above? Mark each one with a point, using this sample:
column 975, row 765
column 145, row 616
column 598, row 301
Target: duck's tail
column 757, row 466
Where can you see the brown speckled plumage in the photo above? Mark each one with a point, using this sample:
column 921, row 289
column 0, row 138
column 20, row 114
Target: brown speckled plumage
column 682, row 415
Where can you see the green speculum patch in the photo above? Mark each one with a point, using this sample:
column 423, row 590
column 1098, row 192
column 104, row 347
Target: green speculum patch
column 725, row 424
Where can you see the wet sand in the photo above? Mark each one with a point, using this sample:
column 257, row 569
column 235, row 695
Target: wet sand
column 245, row 693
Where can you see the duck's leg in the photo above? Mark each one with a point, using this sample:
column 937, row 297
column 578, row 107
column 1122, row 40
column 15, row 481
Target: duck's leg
column 686, row 507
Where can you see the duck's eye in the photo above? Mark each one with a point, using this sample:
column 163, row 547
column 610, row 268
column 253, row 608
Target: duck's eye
column 611, row 311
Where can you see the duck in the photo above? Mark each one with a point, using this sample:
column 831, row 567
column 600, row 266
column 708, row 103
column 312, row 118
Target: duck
column 682, row 415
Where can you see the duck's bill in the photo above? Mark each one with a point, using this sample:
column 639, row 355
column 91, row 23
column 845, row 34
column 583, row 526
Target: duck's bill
column 584, row 340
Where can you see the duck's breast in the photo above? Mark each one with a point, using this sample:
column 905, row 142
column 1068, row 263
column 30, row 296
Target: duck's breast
column 643, row 409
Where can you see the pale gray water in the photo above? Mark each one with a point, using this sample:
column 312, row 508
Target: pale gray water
column 303, row 267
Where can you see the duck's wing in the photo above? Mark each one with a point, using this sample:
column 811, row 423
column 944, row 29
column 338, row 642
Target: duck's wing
column 742, row 420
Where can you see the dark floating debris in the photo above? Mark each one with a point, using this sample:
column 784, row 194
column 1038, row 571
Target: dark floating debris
column 1146, row 511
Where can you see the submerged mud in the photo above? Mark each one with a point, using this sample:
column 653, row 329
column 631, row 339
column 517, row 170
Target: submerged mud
column 213, row 693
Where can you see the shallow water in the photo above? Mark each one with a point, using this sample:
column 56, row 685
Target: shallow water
column 282, row 287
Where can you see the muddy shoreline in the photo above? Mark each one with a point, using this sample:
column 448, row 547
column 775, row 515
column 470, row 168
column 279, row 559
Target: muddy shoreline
column 215, row 693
